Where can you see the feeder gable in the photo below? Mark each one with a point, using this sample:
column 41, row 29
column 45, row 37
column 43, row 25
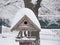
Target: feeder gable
column 25, row 24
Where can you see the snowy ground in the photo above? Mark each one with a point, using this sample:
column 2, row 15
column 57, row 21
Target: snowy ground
column 8, row 39
column 49, row 42
column 48, row 37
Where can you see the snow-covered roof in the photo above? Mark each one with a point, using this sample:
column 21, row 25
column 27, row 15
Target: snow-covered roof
column 29, row 13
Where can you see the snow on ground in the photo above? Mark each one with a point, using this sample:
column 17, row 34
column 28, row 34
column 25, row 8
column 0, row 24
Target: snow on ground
column 49, row 42
column 8, row 38
column 47, row 37
column 8, row 41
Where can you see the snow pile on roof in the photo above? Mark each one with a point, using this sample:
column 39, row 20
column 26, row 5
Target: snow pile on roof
column 27, row 38
column 29, row 13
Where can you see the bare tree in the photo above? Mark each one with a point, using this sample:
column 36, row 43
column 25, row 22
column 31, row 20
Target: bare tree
column 35, row 7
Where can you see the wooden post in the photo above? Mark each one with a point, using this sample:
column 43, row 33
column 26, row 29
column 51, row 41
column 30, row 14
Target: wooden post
column 25, row 43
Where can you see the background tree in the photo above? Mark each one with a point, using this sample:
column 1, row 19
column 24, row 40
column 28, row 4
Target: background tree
column 33, row 7
column 0, row 25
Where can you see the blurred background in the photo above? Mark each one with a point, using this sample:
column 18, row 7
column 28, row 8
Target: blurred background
column 47, row 12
